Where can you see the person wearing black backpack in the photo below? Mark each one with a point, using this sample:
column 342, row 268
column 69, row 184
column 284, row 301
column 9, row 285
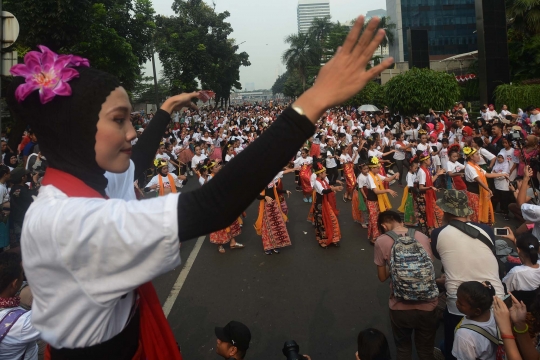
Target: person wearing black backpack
column 405, row 256
column 467, row 252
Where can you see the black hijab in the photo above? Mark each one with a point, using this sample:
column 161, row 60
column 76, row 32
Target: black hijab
column 66, row 126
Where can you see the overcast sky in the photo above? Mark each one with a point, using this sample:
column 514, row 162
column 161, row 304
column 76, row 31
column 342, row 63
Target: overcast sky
column 263, row 25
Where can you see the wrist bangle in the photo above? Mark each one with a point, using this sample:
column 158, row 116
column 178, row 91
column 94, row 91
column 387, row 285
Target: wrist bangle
column 503, row 336
column 522, row 331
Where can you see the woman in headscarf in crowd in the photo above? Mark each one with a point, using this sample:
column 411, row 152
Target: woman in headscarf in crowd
column 11, row 160
column 428, row 214
column 478, row 190
column 90, row 248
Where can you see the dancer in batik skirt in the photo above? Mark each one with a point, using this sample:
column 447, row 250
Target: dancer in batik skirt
column 347, row 162
column 428, row 214
column 376, row 196
column 478, row 190
column 228, row 234
column 304, row 162
column 327, row 231
column 359, row 207
column 271, row 221
column 279, row 185
column 407, row 202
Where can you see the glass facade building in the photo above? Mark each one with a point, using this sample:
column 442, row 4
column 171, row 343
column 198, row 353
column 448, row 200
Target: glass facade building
column 451, row 25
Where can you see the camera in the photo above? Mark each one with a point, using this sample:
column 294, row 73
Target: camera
column 516, row 135
column 291, row 350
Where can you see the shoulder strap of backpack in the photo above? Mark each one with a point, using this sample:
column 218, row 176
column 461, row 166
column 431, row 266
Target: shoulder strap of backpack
column 483, row 332
column 392, row 234
column 472, row 232
column 411, row 233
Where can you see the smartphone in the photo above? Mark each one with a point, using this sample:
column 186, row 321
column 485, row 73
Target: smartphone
column 507, row 299
column 501, row 231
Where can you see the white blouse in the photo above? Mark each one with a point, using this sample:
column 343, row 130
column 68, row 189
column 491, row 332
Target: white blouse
column 82, row 255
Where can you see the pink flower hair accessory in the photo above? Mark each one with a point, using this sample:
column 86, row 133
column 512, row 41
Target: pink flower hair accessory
column 47, row 72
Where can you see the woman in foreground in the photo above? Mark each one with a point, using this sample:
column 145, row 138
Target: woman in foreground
column 89, row 272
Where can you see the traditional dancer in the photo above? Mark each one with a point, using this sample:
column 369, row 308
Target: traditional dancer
column 359, row 208
column 304, row 162
column 271, row 221
column 428, row 214
column 165, row 182
column 347, row 162
column 327, row 231
column 455, row 171
column 407, row 202
column 478, row 190
column 228, row 234
column 376, row 196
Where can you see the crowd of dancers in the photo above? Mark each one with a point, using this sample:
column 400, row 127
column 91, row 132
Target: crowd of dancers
column 356, row 154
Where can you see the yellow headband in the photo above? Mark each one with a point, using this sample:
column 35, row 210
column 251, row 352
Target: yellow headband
column 373, row 162
column 468, row 151
column 320, row 171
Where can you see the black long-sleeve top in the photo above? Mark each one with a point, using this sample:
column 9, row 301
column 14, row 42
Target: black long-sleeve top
column 217, row 204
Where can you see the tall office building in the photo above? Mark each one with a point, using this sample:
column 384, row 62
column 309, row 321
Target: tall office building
column 451, row 25
column 308, row 10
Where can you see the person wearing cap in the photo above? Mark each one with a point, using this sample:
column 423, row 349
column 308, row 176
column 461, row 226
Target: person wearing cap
column 21, row 197
column 233, row 340
column 464, row 258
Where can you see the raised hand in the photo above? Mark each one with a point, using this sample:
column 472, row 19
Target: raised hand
column 345, row 74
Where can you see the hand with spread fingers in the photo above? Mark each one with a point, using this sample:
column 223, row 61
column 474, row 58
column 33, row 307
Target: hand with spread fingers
column 345, row 74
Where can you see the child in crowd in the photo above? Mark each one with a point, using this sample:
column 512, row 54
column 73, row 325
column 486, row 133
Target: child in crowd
column 363, row 186
column 474, row 299
column 455, row 171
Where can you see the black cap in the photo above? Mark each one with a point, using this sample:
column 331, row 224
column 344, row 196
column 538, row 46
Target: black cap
column 235, row 333
column 18, row 173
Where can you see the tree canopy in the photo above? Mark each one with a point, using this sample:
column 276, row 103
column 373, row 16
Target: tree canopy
column 113, row 34
column 195, row 45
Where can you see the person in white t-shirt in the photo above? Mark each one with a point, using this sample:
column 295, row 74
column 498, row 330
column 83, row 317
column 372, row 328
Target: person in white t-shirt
column 525, row 277
column 474, row 300
column 502, row 191
column 198, row 158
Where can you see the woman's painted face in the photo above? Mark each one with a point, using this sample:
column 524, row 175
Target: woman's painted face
column 114, row 132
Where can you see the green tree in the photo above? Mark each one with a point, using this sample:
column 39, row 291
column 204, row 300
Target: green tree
column 293, row 86
column 303, row 53
column 194, row 45
column 418, row 90
column 113, row 34
column 279, row 85
column 524, row 15
column 372, row 93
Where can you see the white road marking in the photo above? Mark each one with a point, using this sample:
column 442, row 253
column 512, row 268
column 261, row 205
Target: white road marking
column 171, row 299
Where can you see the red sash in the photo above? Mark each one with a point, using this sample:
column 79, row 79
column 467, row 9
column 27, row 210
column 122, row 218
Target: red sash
column 155, row 334
column 430, row 199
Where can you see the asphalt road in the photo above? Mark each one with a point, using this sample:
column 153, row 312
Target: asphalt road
column 321, row 298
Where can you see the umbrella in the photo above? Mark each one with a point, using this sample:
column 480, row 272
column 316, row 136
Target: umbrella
column 368, row 108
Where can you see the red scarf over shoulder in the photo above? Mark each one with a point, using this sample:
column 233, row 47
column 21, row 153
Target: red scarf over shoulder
column 155, row 334
column 430, row 199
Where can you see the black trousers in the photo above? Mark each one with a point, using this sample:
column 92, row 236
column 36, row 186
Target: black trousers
column 332, row 174
column 504, row 198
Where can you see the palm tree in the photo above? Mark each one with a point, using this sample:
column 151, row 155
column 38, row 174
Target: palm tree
column 389, row 27
column 303, row 52
column 524, row 15
column 320, row 29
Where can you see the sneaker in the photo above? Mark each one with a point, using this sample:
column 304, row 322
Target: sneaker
column 276, row 251
column 310, row 200
column 305, row 200
column 268, row 252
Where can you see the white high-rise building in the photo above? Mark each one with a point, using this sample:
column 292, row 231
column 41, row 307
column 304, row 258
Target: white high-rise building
column 308, row 10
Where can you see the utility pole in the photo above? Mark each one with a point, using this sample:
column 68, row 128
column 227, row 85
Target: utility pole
column 155, row 78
